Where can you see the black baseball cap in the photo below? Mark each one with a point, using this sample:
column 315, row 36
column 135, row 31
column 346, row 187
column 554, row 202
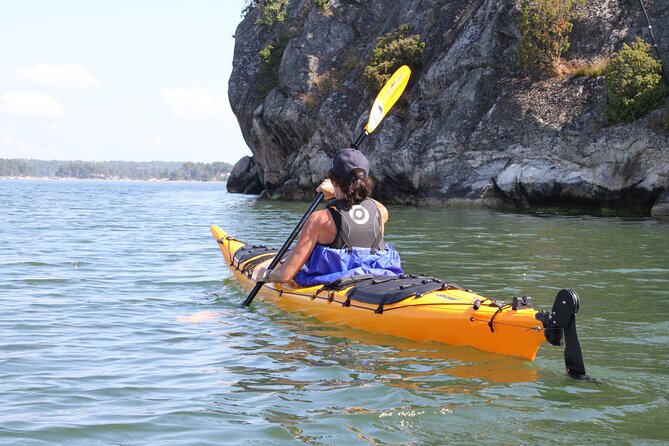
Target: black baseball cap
column 347, row 160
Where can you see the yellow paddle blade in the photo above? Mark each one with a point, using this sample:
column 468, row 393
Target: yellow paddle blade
column 387, row 97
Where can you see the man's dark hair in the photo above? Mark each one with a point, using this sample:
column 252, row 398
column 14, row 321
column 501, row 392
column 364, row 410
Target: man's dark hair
column 356, row 188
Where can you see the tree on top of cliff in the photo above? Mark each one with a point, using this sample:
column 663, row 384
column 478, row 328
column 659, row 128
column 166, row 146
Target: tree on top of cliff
column 271, row 12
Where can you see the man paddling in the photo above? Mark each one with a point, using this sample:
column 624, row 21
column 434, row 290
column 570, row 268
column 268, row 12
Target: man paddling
column 345, row 239
column 321, row 227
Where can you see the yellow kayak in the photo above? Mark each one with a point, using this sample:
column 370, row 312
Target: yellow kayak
column 418, row 308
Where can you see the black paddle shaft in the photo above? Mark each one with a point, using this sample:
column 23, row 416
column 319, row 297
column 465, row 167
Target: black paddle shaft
column 360, row 139
column 284, row 248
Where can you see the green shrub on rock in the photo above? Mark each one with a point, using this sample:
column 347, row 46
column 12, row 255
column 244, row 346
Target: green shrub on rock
column 634, row 84
column 545, row 26
column 393, row 50
column 269, row 69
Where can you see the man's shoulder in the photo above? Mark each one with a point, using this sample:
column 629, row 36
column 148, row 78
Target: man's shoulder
column 320, row 217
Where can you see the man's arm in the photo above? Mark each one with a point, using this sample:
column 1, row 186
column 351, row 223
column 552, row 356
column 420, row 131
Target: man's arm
column 299, row 255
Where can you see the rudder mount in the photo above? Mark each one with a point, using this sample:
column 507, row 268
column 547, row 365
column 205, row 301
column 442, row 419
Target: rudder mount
column 560, row 325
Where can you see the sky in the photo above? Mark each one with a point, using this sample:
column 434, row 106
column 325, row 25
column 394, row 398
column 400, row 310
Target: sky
column 132, row 80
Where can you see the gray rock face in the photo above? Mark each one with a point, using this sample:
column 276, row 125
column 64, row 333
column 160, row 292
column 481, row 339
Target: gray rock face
column 244, row 177
column 469, row 128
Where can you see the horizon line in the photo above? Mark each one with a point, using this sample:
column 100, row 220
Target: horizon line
column 112, row 161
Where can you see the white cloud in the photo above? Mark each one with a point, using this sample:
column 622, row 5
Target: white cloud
column 185, row 103
column 156, row 141
column 67, row 76
column 28, row 104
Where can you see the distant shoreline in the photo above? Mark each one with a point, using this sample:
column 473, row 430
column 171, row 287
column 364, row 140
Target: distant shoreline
column 114, row 170
column 151, row 180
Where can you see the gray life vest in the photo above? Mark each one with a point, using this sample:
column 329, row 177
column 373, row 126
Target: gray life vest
column 360, row 226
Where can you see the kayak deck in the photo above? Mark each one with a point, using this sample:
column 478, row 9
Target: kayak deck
column 451, row 316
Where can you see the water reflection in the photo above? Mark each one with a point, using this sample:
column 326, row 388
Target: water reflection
column 307, row 343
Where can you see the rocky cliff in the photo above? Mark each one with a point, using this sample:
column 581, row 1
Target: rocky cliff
column 470, row 129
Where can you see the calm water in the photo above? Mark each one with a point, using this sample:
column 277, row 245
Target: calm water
column 119, row 324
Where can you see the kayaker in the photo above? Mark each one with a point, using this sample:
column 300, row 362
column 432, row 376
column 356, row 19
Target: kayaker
column 345, row 239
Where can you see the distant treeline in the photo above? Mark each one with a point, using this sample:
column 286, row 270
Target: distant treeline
column 112, row 170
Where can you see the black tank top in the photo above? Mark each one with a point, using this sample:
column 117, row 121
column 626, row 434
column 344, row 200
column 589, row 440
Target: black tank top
column 360, row 226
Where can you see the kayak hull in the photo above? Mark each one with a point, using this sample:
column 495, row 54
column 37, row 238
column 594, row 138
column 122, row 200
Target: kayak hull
column 451, row 316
